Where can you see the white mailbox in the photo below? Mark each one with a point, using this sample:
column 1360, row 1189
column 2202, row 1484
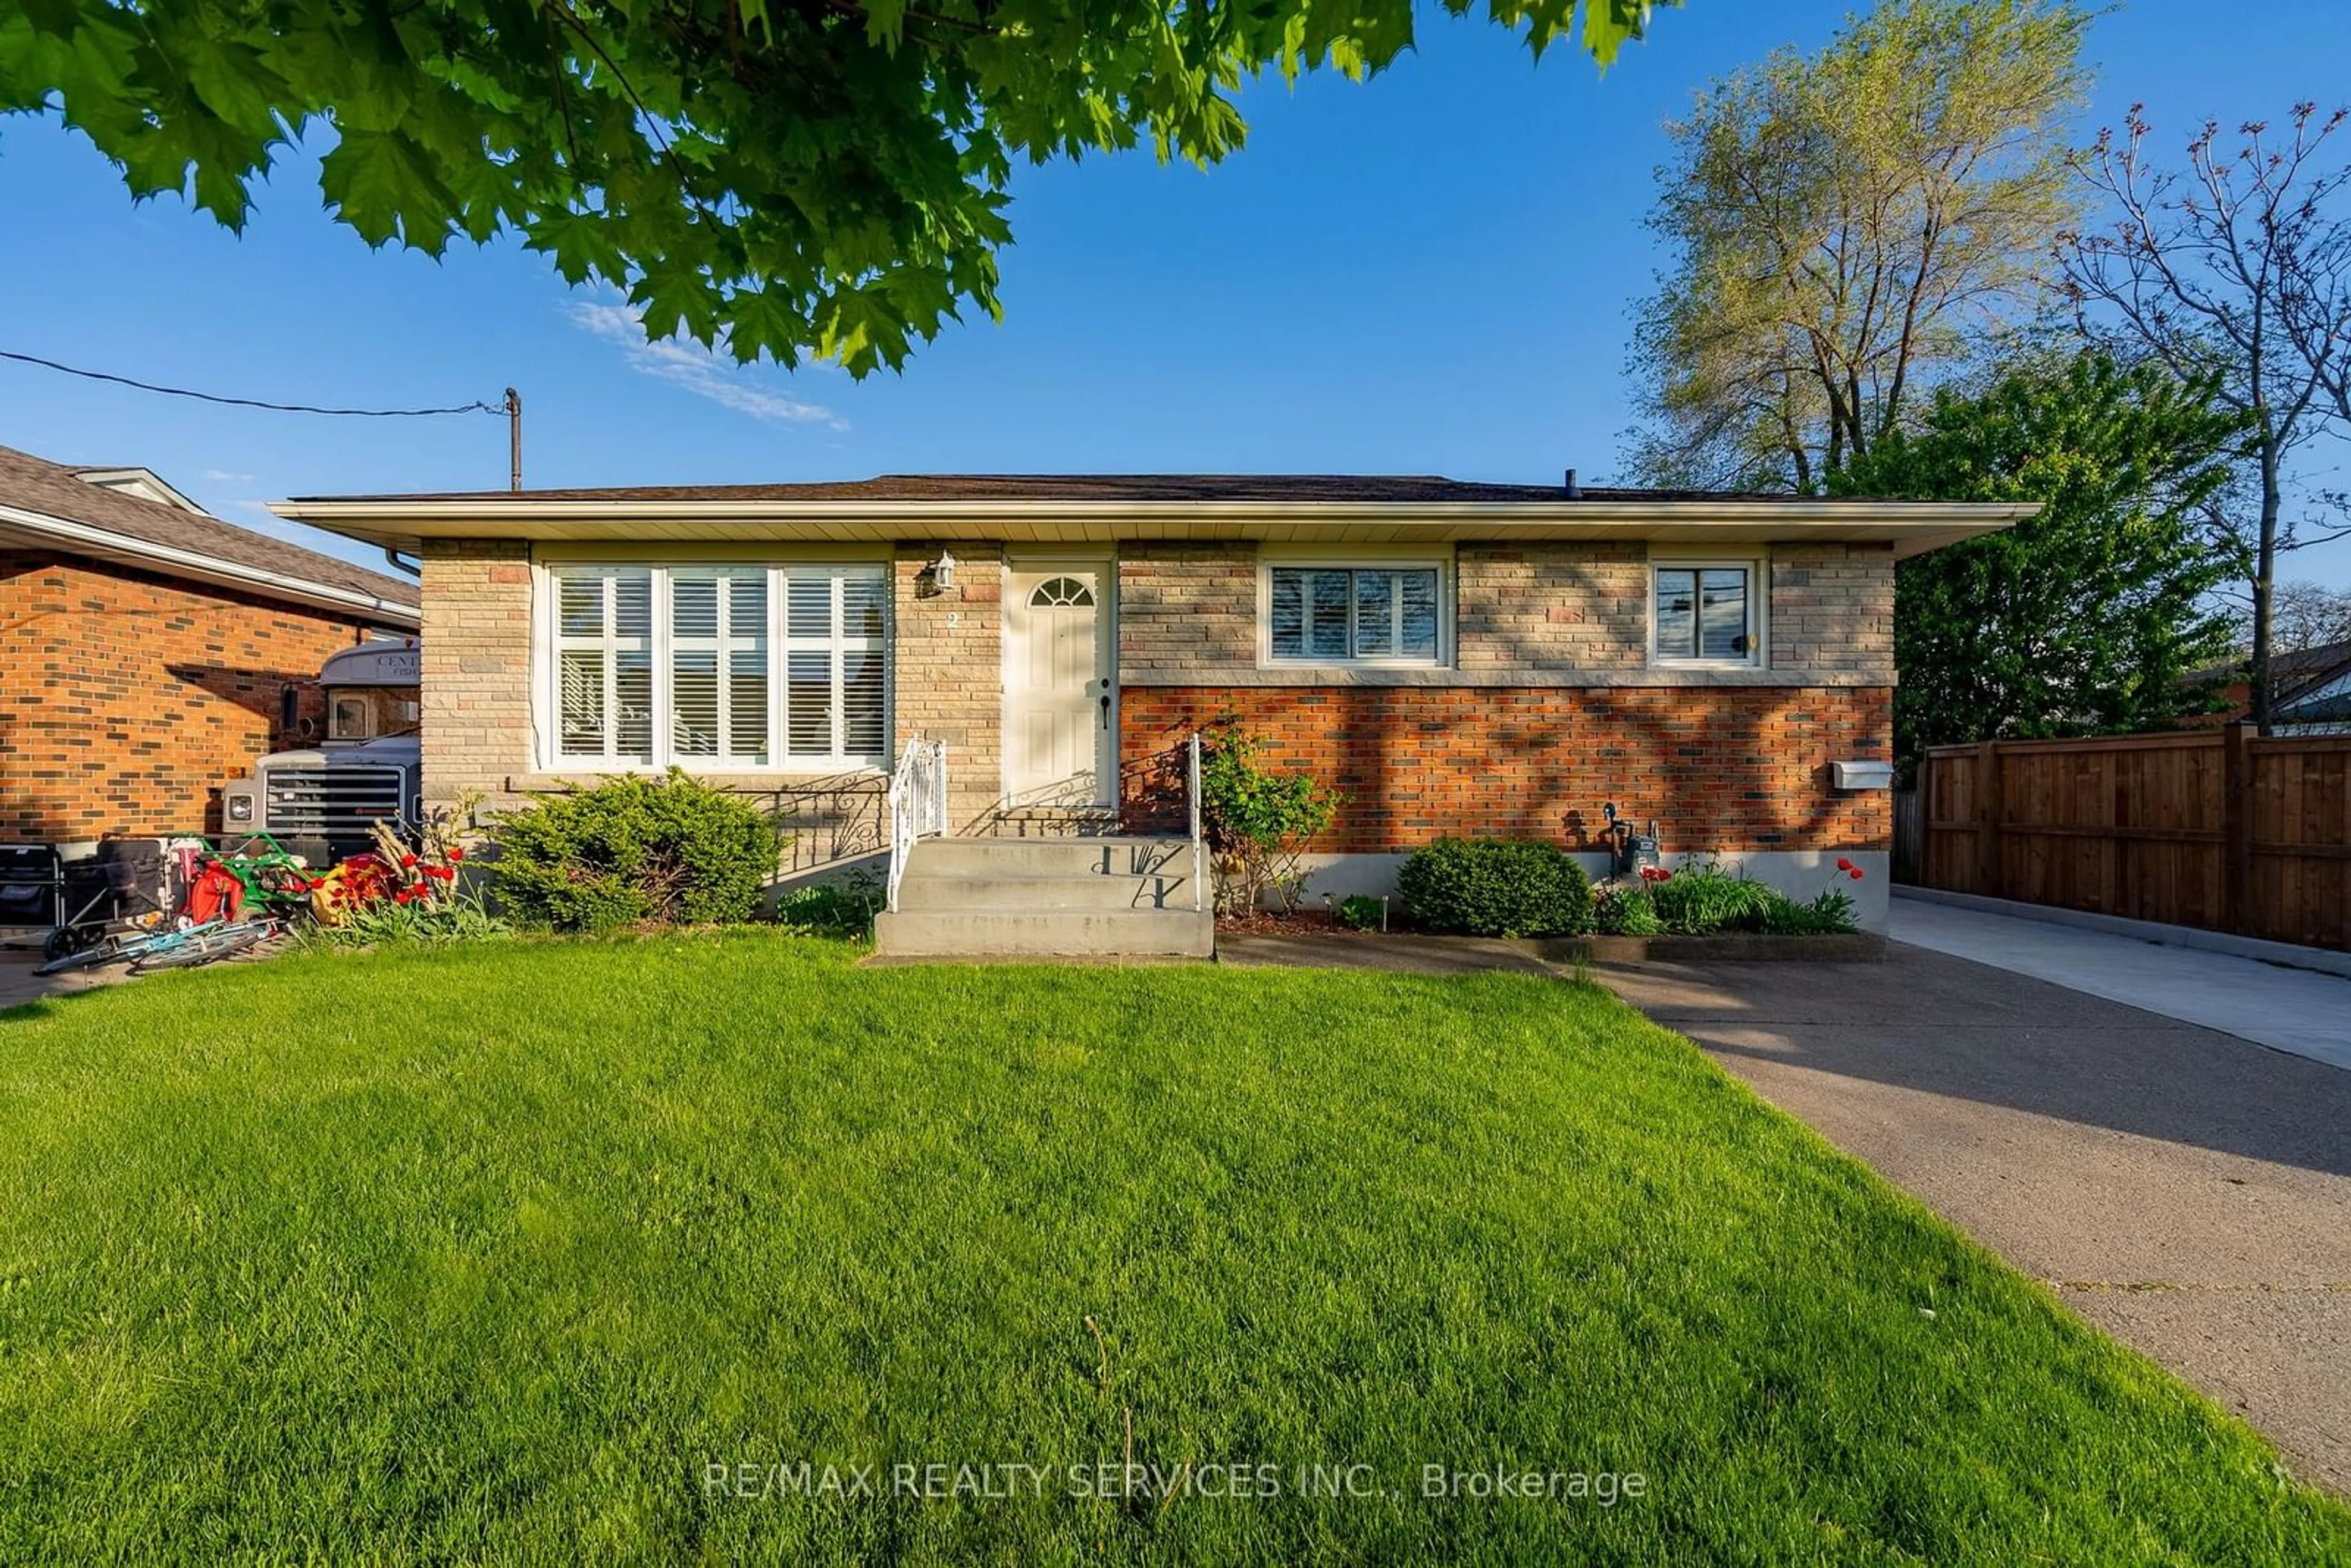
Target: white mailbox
column 1861, row 774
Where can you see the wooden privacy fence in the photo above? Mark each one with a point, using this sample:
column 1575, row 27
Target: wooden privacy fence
column 2214, row 828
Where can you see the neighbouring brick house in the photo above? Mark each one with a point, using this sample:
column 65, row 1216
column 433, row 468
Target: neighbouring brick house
column 149, row 652
column 1455, row 658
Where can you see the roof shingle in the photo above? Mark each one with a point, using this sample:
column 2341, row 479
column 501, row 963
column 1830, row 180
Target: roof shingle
column 37, row 484
column 1106, row 487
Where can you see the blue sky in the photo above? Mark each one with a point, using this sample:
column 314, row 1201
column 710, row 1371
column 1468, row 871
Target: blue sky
column 1431, row 272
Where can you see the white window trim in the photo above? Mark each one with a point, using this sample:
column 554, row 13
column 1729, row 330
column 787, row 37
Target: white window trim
column 720, row 646
column 1338, row 559
column 547, row 719
column 549, row 644
column 1758, row 568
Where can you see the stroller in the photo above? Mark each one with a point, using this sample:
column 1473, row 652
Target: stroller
column 131, row 884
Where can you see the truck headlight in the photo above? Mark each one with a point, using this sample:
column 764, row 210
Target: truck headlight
column 240, row 808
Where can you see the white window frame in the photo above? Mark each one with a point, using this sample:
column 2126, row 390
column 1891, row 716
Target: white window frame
column 1758, row 569
column 722, row 646
column 548, row 643
column 1268, row 562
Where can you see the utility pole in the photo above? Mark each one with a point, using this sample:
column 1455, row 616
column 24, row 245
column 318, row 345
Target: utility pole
column 514, row 439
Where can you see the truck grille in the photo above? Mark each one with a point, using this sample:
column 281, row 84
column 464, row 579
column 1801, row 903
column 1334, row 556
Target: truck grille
column 332, row 799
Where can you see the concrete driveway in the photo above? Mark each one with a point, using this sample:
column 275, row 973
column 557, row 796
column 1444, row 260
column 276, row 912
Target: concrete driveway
column 2187, row 1190
column 18, row 984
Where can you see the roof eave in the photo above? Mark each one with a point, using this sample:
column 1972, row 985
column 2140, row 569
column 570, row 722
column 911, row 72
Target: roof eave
column 127, row 550
column 1910, row 526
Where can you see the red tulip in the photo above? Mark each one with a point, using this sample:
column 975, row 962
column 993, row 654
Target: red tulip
column 407, row 860
column 1856, row 874
column 456, row 854
column 1843, row 865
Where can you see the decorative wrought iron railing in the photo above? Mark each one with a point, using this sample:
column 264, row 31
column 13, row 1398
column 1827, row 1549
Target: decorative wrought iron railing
column 918, row 804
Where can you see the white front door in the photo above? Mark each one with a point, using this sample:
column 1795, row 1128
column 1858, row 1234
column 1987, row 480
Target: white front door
column 1061, row 707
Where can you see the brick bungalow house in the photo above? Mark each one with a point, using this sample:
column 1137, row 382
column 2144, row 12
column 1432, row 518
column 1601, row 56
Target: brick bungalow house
column 1454, row 658
column 149, row 652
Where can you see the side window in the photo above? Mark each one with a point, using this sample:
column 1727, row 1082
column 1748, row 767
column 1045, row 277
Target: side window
column 1706, row 614
column 1351, row 614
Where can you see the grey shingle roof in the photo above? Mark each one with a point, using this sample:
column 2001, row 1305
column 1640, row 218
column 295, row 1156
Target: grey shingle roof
column 37, row 485
column 1111, row 487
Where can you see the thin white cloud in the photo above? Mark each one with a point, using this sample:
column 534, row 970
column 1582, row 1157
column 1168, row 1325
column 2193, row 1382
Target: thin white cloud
column 223, row 475
column 703, row 371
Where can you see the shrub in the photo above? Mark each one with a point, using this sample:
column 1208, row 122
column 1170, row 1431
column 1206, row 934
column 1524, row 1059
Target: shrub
column 1494, row 887
column 1257, row 820
column 634, row 850
column 1625, row 912
column 1363, row 913
column 1829, row 914
column 1700, row 900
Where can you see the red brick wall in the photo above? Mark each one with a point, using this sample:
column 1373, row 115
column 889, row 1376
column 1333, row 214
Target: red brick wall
column 1726, row 767
column 126, row 700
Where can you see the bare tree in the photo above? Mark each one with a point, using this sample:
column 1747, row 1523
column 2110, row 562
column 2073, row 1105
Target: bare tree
column 1848, row 228
column 2304, row 615
column 2238, row 268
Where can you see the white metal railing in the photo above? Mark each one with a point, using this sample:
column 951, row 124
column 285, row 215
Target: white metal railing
column 1199, row 845
column 918, row 803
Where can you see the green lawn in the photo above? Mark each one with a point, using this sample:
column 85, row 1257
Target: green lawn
column 500, row 1254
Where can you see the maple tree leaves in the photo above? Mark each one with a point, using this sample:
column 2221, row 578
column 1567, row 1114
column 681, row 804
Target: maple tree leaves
column 788, row 177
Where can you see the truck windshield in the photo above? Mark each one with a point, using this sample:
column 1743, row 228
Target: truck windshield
column 350, row 715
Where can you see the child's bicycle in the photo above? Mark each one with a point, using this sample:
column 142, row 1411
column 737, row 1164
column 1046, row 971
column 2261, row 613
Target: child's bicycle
column 185, row 948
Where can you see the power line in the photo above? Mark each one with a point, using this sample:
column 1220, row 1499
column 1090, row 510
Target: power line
column 253, row 403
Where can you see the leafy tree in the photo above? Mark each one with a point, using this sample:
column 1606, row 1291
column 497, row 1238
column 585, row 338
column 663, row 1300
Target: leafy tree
column 823, row 176
column 2235, row 271
column 2089, row 618
column 1848, row 227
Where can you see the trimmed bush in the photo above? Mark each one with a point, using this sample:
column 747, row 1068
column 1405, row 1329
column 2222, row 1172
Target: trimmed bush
column 1497, row 887
column 634, row 850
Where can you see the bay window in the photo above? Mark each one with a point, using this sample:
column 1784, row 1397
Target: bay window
column 719, row 667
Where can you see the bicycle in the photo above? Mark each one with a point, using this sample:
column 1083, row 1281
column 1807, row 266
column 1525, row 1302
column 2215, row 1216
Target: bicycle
column 185, row 948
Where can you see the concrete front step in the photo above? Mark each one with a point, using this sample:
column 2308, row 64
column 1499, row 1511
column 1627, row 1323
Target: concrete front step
column 1049, row 857
column 1002, row 932
column 1111, row 896
column 926, row 889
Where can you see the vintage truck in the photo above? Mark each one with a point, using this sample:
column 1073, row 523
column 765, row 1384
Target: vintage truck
column 323, row 803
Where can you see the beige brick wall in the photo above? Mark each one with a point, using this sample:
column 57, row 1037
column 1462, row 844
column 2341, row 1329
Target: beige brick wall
column 1553, row 607
column 947, row 671
column 1833, row 610
column 1185, row 608
column 1539, row 614
column 477, row 661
